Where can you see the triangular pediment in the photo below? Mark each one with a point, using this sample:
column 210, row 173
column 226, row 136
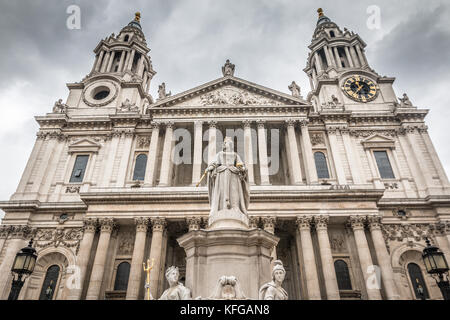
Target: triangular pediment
column 229, row 91
column 84, row 145
column 378, row 141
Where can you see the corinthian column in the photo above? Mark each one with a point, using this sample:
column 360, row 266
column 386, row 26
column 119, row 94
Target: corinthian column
column 166, row 162
column 90, row 227
column 387, row 274
column 248, row 150
column 312, row 281
column 262, row 147
column 357, row 224
column 326, row 257
column 158, row 226
column 308, row 154
column 134, row 281
column 293, row 153
column 197, row 163
column 269, row 226
column 106, row 227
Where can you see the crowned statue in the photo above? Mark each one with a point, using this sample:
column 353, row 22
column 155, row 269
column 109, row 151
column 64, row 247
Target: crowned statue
column 176, row 291
column 273, row 289
column 228, row 186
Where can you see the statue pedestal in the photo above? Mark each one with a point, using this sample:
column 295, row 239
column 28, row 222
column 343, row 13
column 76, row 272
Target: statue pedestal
column 211, row 254
column 228, row 219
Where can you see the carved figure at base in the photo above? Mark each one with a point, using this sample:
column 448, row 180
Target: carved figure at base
column 273, row 290
column 176, row 291
column 228, row 288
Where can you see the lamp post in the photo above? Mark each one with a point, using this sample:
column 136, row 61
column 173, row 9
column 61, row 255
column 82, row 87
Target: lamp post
column 22, row 267
column 437, row 266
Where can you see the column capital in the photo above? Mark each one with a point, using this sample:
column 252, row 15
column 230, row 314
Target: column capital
column 158, row 224
column 212, row 124
column 155, row 124
column 261, row 123
column 198, row 123
column 304, row 222
column 357, row 222
column 4, row 231
column 321, row 222
column 247, row 123
column 303, row 123
column 374, row 222
column 290, row 122
column 107, row 225
column 169, row 124
column 269, row 224
column 90, row 225
column 141, row 224
column 194, row 223
column 253, row 222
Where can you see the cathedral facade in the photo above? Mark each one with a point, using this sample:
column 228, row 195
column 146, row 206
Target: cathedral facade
column 347, row 178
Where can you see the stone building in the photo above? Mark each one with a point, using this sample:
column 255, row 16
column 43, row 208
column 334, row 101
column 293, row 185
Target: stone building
column 347, row 178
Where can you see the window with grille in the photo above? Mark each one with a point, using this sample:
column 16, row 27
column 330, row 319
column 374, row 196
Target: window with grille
column 384, row 166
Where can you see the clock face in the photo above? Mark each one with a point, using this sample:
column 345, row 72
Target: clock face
column 360, row 89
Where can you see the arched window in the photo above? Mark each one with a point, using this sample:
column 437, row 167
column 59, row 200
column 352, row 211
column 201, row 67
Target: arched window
column 49, row 285
column 122, row 275
column 342, row 275
column 332, row 35
column 126, row 38
column 321, row 165
column 417, row 280
column 139, row 167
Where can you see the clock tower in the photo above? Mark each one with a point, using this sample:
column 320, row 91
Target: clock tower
column 340, row 75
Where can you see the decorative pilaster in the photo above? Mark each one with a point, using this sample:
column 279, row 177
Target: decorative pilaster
column 351, row 157
column 152, row 155
column 262, row 147
column 308, row 156
column 293, row 153
column 332, row 137
column 387, row 275
column 158, row 227
column 312, row 282
column 365, row 259
column 134, row 282
column 89, row 228
column 166, row 162
column 125, row 157
column 248, row 150
column 326, row 257
column 198, row 156
column 107, row 225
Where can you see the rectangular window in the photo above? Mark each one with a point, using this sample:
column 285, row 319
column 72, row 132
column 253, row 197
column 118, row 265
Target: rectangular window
column 79, row 169
column 384, row 166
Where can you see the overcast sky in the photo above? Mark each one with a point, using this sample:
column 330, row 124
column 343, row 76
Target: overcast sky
column 191, row 39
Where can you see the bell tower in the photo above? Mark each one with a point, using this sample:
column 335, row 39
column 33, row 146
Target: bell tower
column 339, row 73
column 120, row 76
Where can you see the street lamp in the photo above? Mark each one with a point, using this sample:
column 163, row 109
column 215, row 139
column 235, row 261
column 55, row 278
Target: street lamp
column 437, row 266
column 23, row 266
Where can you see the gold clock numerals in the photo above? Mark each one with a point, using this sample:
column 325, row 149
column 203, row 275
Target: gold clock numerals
column 360, row 89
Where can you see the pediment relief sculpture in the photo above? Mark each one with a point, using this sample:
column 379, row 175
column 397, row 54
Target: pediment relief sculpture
column 228, row 96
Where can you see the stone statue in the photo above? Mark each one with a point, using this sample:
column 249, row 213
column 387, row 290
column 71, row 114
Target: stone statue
column 273, row 290
column 295, row 89
column 228, row 185
column 60, row 107
column 228, row 288
column 126, row 106
column 176, row 291
column 162, row 94
column 405, row 102
column 228, row 69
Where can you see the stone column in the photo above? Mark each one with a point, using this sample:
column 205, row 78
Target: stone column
column 105, row 62
column 383, row 257
column 166, row 162
column 318, row 63
column 99, row 61
column 136, row 270
column 106, row 227
column 332, row 132
column 17, row 236
column 338, row 59
column 365, row 259
column 308, row 156
column 349, row 58
column 351, row 157
column 354, row 57
column 198, row 152
column 361, row 56
column 312, row 280
column 111, row 60
column 248, row 150
column 122, row 59
column 262, row 148
column 158, row 226
column 212, row 141
column 90, row 227
column 125, row 158
column 152, row 155
column 269, row 226
column 140, row 68
column 130, row 60
column 329, row 273
column 293, row 153
column 328, row 57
